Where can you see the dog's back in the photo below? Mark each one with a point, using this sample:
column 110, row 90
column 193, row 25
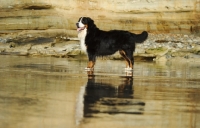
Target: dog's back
column 108, row 42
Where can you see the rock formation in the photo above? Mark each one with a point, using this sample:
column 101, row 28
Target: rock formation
column 180, row 16
column 38, row 27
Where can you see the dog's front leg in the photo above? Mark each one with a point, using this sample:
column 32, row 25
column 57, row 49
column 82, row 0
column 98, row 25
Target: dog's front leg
column 91, row 63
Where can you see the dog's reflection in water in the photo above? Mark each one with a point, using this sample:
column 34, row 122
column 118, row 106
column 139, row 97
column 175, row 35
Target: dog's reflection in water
column 109, row 95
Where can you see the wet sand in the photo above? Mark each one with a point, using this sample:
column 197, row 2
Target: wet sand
column 47, row 92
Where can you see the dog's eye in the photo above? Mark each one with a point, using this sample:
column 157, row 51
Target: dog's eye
column 84, row 21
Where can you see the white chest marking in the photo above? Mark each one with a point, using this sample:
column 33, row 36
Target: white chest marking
column 81, row 36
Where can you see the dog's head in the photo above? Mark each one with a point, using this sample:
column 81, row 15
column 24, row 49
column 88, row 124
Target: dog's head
column 84, row 23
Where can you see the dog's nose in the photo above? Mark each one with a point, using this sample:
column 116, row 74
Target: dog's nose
column 77, row 25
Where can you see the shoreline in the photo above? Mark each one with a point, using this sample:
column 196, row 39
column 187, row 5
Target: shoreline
column 64, row 43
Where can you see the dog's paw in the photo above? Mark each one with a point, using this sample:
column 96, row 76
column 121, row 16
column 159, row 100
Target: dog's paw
column 128, row 69
column 89, row 69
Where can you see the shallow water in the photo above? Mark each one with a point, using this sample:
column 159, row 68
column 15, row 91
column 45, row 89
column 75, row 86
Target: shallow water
column 37, row 92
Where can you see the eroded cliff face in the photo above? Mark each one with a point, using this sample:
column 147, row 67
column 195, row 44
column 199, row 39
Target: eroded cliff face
column 174, row 16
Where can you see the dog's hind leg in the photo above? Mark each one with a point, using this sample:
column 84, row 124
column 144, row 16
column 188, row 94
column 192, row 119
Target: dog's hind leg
column 123, row 54
column 129, row 54
column 128, row 58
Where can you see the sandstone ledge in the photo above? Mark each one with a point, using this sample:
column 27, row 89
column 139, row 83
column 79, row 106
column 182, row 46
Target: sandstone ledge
column 171, row 16
column 56, row 43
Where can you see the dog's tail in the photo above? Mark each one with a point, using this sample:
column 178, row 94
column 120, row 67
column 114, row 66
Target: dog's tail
column 141, row 37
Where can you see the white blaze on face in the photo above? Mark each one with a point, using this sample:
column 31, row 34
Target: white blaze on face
column 80, row 24
column 82, row 32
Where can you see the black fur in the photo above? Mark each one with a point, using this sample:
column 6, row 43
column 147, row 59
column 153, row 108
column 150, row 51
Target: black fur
column 102, row 43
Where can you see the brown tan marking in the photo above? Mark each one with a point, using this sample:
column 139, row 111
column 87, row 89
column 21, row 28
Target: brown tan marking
column 128, row 61
column 90, row 64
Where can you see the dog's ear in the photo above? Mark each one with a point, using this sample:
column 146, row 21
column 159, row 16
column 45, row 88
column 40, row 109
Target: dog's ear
column 90, row 21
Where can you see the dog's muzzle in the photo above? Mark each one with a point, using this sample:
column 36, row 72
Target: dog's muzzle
column 77, row 25
column 79, row 28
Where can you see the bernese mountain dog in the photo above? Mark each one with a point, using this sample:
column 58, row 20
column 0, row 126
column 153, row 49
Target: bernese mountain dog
column 96, row 42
